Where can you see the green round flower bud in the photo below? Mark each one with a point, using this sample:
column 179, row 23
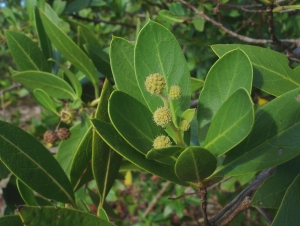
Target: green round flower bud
column 67, row 115
column 174, row 92
column 184, row 125
column 162, row 116
column 162, row 141
column 155, row 83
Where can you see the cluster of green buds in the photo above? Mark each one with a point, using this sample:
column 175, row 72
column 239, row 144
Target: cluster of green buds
column 155, row 84
column 67, row 115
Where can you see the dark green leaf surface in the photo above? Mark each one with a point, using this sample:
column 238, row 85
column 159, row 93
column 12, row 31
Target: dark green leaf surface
column 116, row 142
column 271, row 192
column 288, row 213
column 133, row 121
column 87, row 36
column 272, row 72
column 195, row 164
column 49, row 83
column 122, row 65
column 25, row 52
column 26, row 193
column 43, row 98
column 70, row 50
column 158, row 153
column 157, row 51
column 56, row 216
column 272, row 140
column 33, row 164
column 11, row 221
column 44, row 40
column 231, row 72
column 231, row 124
column 196, row 84
column 105, row 162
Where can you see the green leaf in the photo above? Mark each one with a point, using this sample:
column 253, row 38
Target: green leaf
column 271, row 141
column 231, row 124
column 70, row 50
column 272, row 72
column 167, row 15
column 43, row 98
column 157, row 51
column 72, row 78
column 76, row 6
column 59, row 6
column 231, row 72
column 44, row 40
column 122, row 65
column 87, row 36
column 196, row 84
column 199, row 24
column 67, row 148
column 116, row 142
column 81, row 170
column 33, row 164
column 55, row 216
column 11, row 221
column 25, row 52
column 158, row 153
column 281, row 8
column 195, row 164
column 26, row 193
column 105, row 161
column 100, row 60
column 271, row 192
column 188, row 114
column 288, row 213
column 49, row 83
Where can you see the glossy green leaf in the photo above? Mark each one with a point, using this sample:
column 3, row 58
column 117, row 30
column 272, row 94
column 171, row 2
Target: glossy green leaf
column 14, row 220
column 49, row 83
column 105, row 161
column 87, row 36
column 195, row 164
column 70, row 50
column 158, row 153
column 167, row 15
column 272, row 140
column 288, row 213
column 26, row 53
column 43, row 98
column 272, row 72
column 100, row 60
column 26, row 193
column 271, row 192
column 33, row 164
column 44, row 40
column 196, row 84
column 122, row 65
column 231, row 72
column 102, row 214
column 231, row 124
column 81, row 170
column 72, row 78
column 116, row 142
column 55, row 216
column 67, row 148
column 157, row 51
column 133, row 121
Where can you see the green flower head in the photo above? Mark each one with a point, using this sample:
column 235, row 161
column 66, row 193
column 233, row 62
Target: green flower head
column 174, row 92
column 162, row 116
column 162, row 141
column 155, row 83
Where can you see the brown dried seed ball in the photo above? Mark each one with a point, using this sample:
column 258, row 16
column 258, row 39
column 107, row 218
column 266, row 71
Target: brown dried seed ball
column 63, row 133
column 50, row 136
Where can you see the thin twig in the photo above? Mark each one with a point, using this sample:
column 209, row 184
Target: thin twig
column 233, row 34
column 244, row 7
column 203, row 197
column 271, row 25
column 218, row 183
column 241, row 202
column 264, row 214
column 183, row 195
column 156, row 198
column 97, row 21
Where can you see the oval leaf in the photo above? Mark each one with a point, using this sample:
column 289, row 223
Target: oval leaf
column 33, row 164
column 43, row 98
column 159, row 153
column 26, row 193
column 231, row 124
column 195, row 164
column 49, row 83
column 231, row 72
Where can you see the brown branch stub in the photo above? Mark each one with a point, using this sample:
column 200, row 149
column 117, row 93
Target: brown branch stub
column 203, row 197
column 241, row 202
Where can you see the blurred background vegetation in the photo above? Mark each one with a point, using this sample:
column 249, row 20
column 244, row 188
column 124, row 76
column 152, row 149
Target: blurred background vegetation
column 101, row 19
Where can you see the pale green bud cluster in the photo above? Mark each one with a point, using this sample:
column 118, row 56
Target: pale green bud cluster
column 184, row 125
column 162, row 116
column 67, row 115
column 174, row 92
column 162, row 141
column 155, row 83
